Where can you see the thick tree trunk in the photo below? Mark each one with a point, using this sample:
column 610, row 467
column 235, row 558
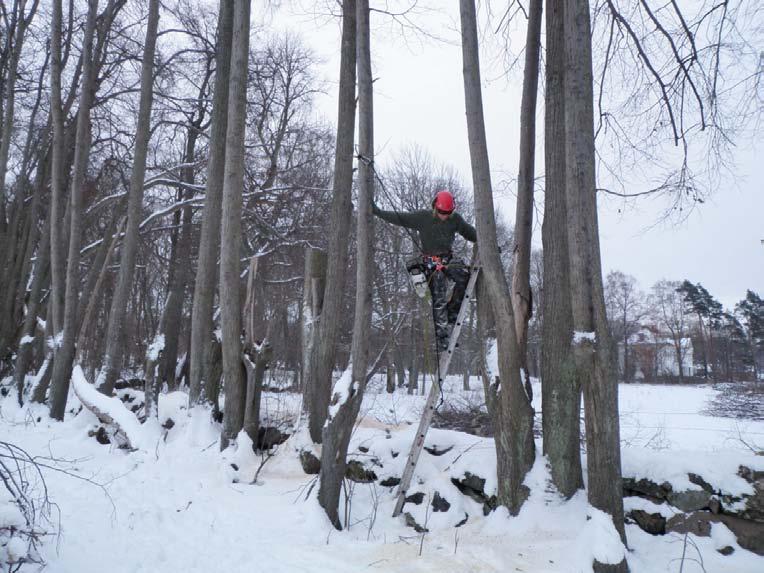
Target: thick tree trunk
column 345, row 409
column 202, row 387
column 514, row 433
column 115, row 332
column 230, row 245
column 521, row 275
column 560, row 387
column 593, row 346
column 64, row 355
column 319, row 382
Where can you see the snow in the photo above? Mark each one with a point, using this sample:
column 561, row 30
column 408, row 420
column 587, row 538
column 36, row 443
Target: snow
column 26, row 339
column 178, row 503
column 152, row 352
column 579, row 337
column 341, row 391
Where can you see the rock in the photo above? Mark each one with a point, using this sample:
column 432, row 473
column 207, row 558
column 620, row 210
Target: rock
column 491, row 504
column 698, row 480
column 646, row 488
column 437, row 452
column 750, row 475
column 415, row 498
column 101, row 435
column 463, row 521
column 168, row 424
column 310, row 463
column 754, row 504
column 355, row 471
column 652, row 523
column 439, row 503
column 411, row 522
column 363, row 449
column 689, row 500
column 749, row 534
column 726, row 550
column 391, row 481
column 715, row 505
column 268, row 436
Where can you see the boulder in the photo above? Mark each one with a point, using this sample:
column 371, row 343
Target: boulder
column 310, row 463
column 357, row 472
column 749, row 534
column 652, row 523
column 646, row 488
column 689, row 500
column 411, row 522
column 439, row 503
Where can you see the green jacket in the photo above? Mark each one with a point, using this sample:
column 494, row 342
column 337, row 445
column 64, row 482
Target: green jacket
column 436, row 236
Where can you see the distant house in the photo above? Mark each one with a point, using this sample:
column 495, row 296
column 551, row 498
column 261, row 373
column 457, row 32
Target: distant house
column 652, row 356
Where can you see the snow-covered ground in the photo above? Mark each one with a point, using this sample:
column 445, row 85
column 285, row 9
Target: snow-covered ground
column 178, row 504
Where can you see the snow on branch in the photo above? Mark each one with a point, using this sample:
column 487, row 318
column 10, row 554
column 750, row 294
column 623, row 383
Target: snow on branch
column 110, row 411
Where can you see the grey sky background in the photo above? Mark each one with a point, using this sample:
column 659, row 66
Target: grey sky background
column 419, row 99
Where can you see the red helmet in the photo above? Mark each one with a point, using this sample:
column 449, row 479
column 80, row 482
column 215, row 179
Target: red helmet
column 444, row 202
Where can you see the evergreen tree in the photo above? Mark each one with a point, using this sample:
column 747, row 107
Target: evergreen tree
column 751, row 311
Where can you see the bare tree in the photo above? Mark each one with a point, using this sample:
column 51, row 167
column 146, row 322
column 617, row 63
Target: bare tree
column 65, row 353
column 561, row 388
column 515, row 448
column 522, row 303
column 114, row 336
column 322, row 359
column 230, row 237
column 625, row 310
column 202, row 388
column 346, row 399
column 592, row 346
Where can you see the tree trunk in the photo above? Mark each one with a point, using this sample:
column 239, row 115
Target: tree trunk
column 57, row 263
column 312, row 303
column 345, row 409
column 115, row 332
column 230, row 237
column 202, row 387
column 521, row 274
column 560, row 387
column 182, row 256
column 64, row 355
column 514, row 434
column 319, row 382
column 593, row 346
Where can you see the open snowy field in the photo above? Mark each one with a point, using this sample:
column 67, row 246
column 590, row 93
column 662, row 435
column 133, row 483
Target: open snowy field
column 178, row 504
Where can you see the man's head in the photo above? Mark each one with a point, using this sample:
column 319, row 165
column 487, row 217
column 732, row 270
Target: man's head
column 444, row 204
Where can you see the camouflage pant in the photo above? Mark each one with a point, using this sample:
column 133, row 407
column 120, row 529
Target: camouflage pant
column 444, row 311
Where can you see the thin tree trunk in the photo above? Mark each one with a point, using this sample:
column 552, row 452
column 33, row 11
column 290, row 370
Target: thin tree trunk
column 57, row 263
column 345, row 409
column 64, row 355
column 230, row 245
column 312, row 302
column 515, row 449
column 39, row 274
column 202, row 387
column 593, row 346
column 521, row 275
column 323, row 355
column 560, row 387
column 115, row 332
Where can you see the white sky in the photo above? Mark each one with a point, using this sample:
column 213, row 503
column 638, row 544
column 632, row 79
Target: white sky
column 419, row 98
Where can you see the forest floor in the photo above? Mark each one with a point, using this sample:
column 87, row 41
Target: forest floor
column 178, row 504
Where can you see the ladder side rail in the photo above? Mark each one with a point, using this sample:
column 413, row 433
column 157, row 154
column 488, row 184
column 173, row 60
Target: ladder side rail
column 429, row 410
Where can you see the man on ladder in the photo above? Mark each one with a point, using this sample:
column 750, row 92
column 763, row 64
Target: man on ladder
column 437, row 229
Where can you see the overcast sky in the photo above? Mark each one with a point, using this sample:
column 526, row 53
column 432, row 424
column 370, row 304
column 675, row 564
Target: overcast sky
column 419, row 98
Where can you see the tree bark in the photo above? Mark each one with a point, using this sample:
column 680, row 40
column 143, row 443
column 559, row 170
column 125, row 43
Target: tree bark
column 594, row 351
column 319, row 383
column 230, row 238
column 560, row 387
column 202, row 387
column 64, row 355
column 312, row 303
column 522, row 303
column 514, row 433
column 115, row 331
column 340, row 424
